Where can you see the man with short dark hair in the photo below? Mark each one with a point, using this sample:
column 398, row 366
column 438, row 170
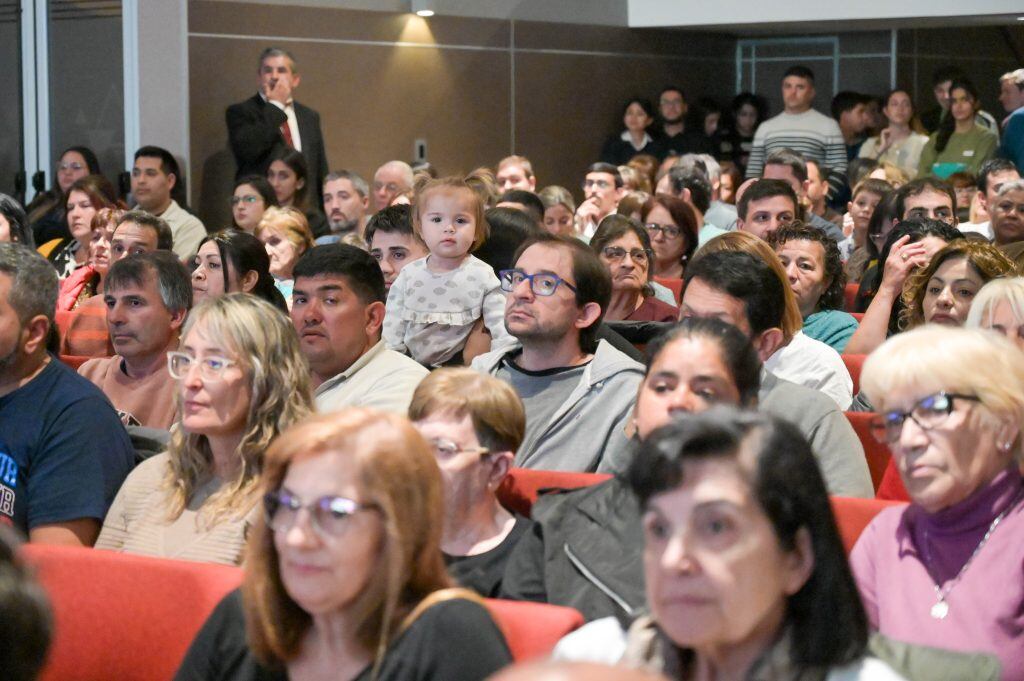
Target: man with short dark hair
column 602, row 190
column 578, row 391
column 675, row 139
column 270, row 122
column 527, row 202
column 791, row 168
column 346, row 203
column 816, row 189
column 338, row 310
column 765, row 206
column 147, row 298
column 742, row 290
column 392, row 241
column 850, row 109
column 993, row 175
column 63, row 451
column 927, row 197
column 154, row 176
column 801, row 129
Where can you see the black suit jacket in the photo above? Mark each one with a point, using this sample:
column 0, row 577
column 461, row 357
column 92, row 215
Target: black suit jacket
column 254, row 131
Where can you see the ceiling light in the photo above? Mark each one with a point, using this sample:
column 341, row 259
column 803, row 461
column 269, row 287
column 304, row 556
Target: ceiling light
column 423, row 8
column 430, row 13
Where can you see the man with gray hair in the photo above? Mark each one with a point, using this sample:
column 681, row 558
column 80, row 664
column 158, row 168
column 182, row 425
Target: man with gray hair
column 147, row 298
column 63, row 451
column 271, row 122
column 390, row 180
column 346, row 202
column 720, row 214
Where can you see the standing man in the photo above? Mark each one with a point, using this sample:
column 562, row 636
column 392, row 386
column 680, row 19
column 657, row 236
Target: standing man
column 271, row 121
column 675, row 139
column 346, row 202
column 153, row 177
column 850, row 109
column 801, row 129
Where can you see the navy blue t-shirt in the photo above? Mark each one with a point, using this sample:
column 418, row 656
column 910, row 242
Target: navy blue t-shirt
column 63, row 450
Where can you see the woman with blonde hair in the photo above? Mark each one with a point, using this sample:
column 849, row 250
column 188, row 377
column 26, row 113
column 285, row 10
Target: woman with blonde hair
column 286, row 236
column 999, row 306
column 559, row 210
column 345, row 577
column 242, row 380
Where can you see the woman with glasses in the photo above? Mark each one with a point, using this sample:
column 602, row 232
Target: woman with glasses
column 625, row 249
column 242, row 380
column 945, row 571
column 253, row 195
column 672, row 227
column 344, row 576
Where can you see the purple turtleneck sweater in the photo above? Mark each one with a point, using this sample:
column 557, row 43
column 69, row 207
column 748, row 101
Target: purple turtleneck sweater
column 986, row 607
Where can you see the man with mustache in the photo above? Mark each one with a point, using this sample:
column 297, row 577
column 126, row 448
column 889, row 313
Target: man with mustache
column 338, row 310
column 346, row 202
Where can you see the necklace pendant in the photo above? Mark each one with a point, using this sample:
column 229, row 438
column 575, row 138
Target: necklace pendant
column 940, row 610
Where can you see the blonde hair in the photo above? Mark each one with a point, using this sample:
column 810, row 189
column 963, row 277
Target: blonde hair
column 634, row 179
column 553, row 195
column 491, row 404
column 745, row 242
column 1009, row 290
column 520, row 161
column 264, row 343
column 934, row 358
column 480, row 184
column 398, row 474
column 290, row 223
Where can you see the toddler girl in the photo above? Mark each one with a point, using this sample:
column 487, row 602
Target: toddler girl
column 435, row 301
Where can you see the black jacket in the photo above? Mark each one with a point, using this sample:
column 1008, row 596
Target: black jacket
column 585, row 551
column 254, row 131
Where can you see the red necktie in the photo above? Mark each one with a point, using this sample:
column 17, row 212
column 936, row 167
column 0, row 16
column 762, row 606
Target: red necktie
column 286, row 132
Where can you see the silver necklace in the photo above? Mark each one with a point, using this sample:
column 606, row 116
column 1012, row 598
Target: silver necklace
column 941, row 607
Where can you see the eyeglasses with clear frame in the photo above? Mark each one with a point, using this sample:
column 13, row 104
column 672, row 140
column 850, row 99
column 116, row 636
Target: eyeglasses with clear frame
column 446, row 449
column 670, row 231
column 617, row 254
column 328, row 515
column 541, row 284
column 928, row 413
column 211, row 368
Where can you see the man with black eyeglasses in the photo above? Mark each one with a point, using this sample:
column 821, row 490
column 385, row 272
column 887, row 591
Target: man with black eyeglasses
column 578, row 391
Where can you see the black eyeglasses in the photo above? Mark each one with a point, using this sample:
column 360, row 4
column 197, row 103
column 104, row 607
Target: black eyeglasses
column 542, row 284
column 328, row 515
column 670, row 231
column 616, row 254
column 930, row 412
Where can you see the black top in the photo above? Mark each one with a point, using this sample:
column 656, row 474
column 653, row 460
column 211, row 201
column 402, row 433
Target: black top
column 482, row 573
column 618, row 151
column 686, row 142
column 454, row 640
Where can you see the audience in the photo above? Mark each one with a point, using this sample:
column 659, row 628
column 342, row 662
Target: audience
column 602, row 190
column 345, row 577
column 253, row 195
column 391, row 180
column 950, row 410
column 559, row 210
column 146, row 298
column 86, row 282
column 790, row 167
column 65, row 453
column 393, row 242
column 1011, row 87
column 338, row 310
column 474, row 424
column 637, row 116
column 1007, row 211
column 241, row 381
column 674, row 138
column 289, row 177
column 897, row 143
column 765, row 206
column 85, row 196
column 960, row 143
column 232, row 261
column 286, row 236
column 516, row 172
column 993, row 175
column 154, row 176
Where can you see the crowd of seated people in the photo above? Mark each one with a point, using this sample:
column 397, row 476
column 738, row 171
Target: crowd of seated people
column 337, row 391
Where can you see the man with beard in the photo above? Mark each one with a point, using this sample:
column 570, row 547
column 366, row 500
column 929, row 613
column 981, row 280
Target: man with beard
column 346, row 202
column 675, row 139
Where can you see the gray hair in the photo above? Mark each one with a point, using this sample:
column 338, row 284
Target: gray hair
column 402, row 166
column 269, row 52
column 171, row 276
column 34, row 282
column 1016, row 77
column 1015, row 186
column 711, row 169
column 360, row 185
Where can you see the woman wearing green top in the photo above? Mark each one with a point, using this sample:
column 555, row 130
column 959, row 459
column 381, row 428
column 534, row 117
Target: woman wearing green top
column 960, row 144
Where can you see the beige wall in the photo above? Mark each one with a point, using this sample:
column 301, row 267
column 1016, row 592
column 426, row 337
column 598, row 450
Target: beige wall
column 382, row 80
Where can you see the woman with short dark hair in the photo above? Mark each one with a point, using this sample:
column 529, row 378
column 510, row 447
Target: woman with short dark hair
column 637, row 117
column 625, row 249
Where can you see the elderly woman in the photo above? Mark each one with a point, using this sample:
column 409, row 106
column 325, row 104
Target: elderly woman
column 232, row 261
column 474, row 423
column 672, row 227
column 999, row 306
column 816, row 275
column 345, row 578
column 942, row 292
column 242, row 380
column 286, row 236
column 946, row 570
column 252, row 196
column 625, row 249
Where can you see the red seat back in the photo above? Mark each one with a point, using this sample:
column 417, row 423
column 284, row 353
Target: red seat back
column 854, row 363
column 891, row 488
column 877, row 454
column 674, row 285
column 124, row 617
column 850, row 295
column 859, row 316
column 521, row 487
column 853, row 515
column 532, row 629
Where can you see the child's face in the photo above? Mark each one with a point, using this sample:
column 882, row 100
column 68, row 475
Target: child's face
column 861, row 209
column 448, row 223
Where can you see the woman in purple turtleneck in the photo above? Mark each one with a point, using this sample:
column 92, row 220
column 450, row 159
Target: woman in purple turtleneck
column 948, row 570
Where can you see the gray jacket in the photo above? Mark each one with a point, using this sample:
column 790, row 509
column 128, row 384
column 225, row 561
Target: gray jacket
column 587, row 433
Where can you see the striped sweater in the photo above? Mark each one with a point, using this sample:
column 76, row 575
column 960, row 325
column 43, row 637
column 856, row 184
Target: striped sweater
column 811, row 134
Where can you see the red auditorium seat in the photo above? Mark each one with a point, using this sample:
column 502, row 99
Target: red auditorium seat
column 877, row 454
column 124, row 617
column 850, row 296
column 853, row 515
column 520, row 489
column 891, row 487
column 674, row 285
column 859, row 316
column 532, row 629
column 854, row 363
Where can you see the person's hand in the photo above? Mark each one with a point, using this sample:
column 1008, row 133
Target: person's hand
column 588, row 213
column 903, row 259
column 277, row 90
column 884, row 140
column 848, row 224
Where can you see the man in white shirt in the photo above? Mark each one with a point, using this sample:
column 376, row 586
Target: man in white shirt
column 154, row 176
column 993, row 175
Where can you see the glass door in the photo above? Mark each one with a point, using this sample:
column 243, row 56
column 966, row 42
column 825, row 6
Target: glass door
column 12, row 160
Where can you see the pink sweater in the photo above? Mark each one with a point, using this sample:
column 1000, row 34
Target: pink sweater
column 986, row 607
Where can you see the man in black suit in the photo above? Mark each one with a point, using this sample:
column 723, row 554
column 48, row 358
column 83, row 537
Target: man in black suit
column 269, row 122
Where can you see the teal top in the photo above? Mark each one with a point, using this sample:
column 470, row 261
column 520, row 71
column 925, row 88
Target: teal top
column 707, row 233
column 832, row 327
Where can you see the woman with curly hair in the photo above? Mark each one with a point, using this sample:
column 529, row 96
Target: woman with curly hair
column 815, row 273
column 942, row 292
column 242, row 380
